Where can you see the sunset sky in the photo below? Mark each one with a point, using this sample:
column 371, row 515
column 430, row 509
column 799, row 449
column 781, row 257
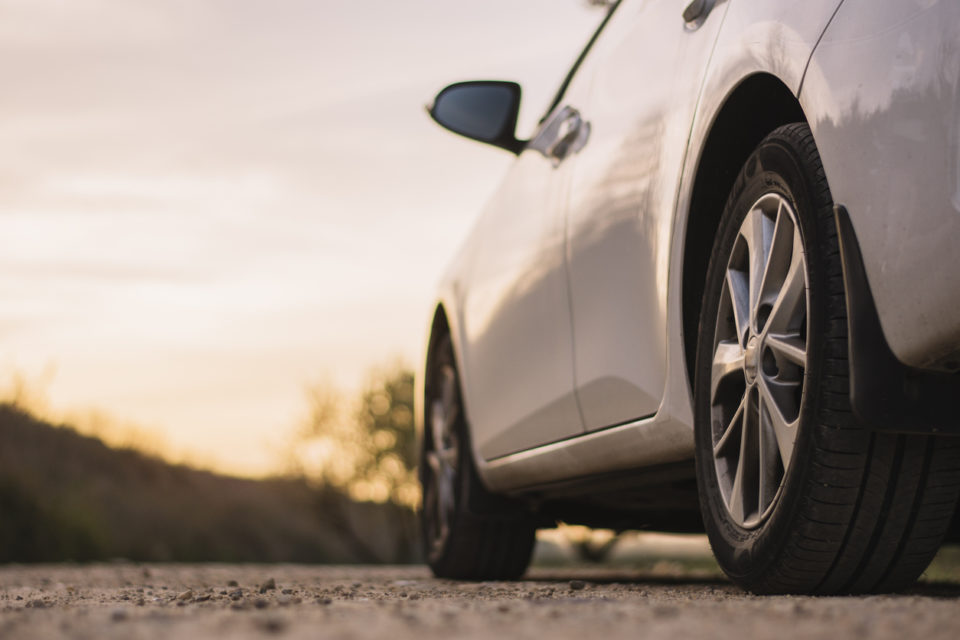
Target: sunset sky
column 208, row 206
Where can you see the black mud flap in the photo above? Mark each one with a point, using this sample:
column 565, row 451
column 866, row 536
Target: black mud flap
column 885, row 394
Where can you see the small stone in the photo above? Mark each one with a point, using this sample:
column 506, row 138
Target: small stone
column 239, row 605
column 287, row 591
column 503, row 608
column 260, row 603
column 186, row 595
column 236, row 595
column 202, row 598
column 323, row 601
column 577, row 585
column 140, row 602
column 268, row 585
column 233, row 583
column 119, row 615
column 414, row 596
column 37, row 604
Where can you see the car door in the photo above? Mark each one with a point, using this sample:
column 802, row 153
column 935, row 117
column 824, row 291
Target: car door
column 642, row 81
column 518, row 340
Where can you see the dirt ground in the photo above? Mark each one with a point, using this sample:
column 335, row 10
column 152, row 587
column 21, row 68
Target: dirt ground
column 126, row 600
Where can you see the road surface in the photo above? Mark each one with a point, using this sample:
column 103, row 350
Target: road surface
column 126, row 600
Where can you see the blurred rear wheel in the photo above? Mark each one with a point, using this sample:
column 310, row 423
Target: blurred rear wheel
column 468, row 532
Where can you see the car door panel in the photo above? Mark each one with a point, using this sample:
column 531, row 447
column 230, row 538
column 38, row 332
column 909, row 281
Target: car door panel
column 644, row 77
column 516, row 316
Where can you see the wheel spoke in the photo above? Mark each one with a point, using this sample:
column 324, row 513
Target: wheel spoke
column 738, row 287
column 736, row 494
column 770, row 465
column 743, row 480
column 727, row 361
column 758, row 243
column 791, row 348
column 778, row 259
column 783, row 429
column 438, row 424
column 789, row 308
column 734, row 427
column 449, row 399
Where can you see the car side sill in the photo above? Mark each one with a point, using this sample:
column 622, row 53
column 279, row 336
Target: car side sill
column 650, row 441
column 885, row 394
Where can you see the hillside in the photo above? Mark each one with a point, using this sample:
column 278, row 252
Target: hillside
column 66, row 496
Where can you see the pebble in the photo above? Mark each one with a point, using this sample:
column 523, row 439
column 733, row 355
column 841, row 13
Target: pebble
column 577, row 585
column 268, row 585
column 233, row 583
column 261, row 603
column 186, row 595
column 119, row 615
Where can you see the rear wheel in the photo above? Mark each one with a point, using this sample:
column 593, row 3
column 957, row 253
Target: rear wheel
column 468, row 532
column 795, row 494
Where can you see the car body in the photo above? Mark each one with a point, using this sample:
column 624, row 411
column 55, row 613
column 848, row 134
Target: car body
column 573, row 308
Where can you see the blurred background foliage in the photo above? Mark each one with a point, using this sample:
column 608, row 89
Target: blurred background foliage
column 348, row 493
column 365, row 446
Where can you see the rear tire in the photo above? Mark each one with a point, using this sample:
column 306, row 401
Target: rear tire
column 848, row 509
column 468, row 532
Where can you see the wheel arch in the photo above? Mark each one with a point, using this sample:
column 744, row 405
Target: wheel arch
column 756, row 106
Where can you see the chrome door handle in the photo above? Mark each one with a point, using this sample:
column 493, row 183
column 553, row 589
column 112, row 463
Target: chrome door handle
column 564, row 134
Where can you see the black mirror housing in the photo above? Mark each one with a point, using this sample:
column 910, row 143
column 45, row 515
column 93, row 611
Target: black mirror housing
column 482, row 110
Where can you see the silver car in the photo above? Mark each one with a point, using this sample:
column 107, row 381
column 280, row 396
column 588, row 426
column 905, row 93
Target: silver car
column 719, row 290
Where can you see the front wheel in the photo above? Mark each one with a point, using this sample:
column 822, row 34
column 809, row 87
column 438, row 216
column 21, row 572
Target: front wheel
column 468, row 532
column 795, row 495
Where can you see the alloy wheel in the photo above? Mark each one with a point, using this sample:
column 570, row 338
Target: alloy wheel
column 441, row 456
column 757, row 379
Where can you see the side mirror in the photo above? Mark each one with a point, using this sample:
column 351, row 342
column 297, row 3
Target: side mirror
column 482, row 110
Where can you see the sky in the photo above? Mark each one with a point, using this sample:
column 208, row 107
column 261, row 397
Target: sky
column 209, row 206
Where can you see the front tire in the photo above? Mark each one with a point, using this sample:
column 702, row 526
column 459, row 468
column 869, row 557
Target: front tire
column 796, row 496
column 468, row 532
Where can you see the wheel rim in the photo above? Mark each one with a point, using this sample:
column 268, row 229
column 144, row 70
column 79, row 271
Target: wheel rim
column 441, row 455
column 757, row 380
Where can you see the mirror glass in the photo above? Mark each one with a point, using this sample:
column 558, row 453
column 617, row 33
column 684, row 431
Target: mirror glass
column 480, row 110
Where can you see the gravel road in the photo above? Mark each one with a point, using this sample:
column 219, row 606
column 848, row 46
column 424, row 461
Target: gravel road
column 399, row 603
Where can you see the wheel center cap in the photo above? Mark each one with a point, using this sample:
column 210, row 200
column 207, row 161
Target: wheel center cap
column 750, row 359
